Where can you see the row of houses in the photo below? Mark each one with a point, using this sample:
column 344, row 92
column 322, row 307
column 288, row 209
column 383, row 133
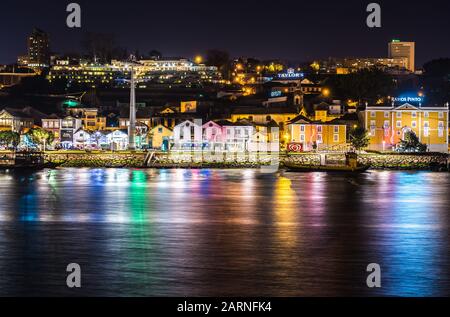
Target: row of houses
column 245, row 129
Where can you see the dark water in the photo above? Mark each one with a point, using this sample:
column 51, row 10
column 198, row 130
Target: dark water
column 224, row 232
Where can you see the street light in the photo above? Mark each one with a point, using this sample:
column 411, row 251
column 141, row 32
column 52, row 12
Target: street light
column 198, row 59
column 325, row 92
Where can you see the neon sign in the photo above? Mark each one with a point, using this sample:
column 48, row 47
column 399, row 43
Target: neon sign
column 290, row 74
column 275, row 93
column 409, row 99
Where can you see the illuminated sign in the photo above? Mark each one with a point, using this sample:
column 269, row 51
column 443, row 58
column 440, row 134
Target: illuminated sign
column 295, row 147
column 275, row 93
column 188, row 106
column 290, row 74
column 409, row 99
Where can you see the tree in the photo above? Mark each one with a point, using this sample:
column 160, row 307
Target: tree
column 155, row 54
column 366, row 85
column 9, row 138
column 220, row 59
column 40, row 137
column 411, row 143
column 436, row 81
column 359, row 138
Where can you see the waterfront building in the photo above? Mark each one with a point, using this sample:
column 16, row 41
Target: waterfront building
column 82, row 139
column 213, row 136
column 52, row 124
column 403, row 50
column 160, row 137
column 323, row 136
column 90, row 118
column 188, row 135
column 15, row 120
column 117, row 140
column 238, row 135
column 69, row 125
column 387, row 125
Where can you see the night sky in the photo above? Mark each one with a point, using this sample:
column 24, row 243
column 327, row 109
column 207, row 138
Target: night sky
column 293, row 30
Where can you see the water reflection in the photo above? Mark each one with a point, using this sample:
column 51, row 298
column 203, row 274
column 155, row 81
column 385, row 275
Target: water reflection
column 224, row 232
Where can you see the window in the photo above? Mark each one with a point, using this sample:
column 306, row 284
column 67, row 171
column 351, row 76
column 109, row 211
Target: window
column 228, row 131
column 44, row 124
column 319, row 129
column 386, row 124
column 302, row 138
column 426, row 128
column 414, row 124
column 214, row 131
column 399, row 124
column 427, row 114
column 302, row 128
column 399, row 114
column 250, row 118
column 336, row 129
column 336, row 137
column 441, row 115
column 268, row 118
column 414, row 114
column 440, row 129
column 373, row 114
column 238, row 131
column 319, row 138
column 386, row 114
column 160, row 130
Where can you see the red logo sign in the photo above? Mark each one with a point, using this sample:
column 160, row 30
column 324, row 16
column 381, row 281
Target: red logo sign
column 295, row 147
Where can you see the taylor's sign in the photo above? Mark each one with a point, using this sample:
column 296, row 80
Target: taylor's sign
column 290, row 74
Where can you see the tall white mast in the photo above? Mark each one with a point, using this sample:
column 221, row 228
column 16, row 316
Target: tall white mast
column 132, row 126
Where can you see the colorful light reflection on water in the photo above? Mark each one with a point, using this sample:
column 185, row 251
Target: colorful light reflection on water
column 224, row 232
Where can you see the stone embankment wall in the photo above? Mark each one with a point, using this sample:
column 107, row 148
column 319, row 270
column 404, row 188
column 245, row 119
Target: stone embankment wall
column 428, row 161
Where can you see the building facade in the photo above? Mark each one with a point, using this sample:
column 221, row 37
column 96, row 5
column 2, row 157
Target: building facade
column 388, row 125
column 398, row 49
column 316, row 135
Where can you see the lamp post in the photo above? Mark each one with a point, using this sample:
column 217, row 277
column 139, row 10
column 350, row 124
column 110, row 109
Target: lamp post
column 132, row 125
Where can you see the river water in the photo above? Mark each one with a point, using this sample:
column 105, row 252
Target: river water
column 224, row 232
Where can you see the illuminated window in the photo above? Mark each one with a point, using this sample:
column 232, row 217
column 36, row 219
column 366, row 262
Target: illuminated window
column 336, row 137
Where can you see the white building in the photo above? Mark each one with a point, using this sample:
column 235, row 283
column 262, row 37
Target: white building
column 188, row 135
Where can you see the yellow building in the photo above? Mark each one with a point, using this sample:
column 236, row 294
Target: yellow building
column 160, row 137
column 90, row 119
column 325, row 136
column 387, row 126
column 262, row 115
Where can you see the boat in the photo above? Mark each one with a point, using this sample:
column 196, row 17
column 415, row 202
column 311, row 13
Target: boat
column 293, row 167
column 351, row 165
column 24, row 161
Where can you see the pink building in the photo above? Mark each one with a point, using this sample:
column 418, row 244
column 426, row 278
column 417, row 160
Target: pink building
column 213, row 135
